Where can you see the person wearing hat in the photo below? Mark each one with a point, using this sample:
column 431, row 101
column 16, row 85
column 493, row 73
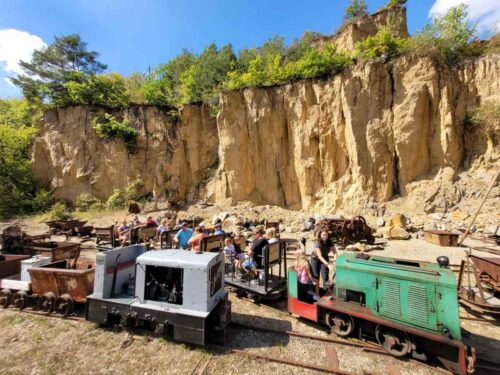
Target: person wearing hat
column 258, row 246
column 218, row 228
column 183, row 236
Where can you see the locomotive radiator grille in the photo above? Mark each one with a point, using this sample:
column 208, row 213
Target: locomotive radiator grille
column 392, row 301
column 417, row 302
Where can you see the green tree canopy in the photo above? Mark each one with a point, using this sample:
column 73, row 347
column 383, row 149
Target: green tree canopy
column 65, row 60
column 355, row 8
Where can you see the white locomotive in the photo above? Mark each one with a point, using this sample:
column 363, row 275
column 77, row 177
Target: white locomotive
column 177, row 293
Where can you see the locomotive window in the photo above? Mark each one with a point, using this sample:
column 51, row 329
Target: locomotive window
column 215, row 278
column 164, row 284
column 354, row 296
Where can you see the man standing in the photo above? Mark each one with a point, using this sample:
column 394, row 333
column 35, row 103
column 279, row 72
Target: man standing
column 258, row 246
column 183, row 236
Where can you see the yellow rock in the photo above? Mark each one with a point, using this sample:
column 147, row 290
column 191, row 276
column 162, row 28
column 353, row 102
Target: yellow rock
column 398, row 220
column 459, row 215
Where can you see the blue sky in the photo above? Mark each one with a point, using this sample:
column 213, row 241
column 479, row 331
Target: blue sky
column 134, row 35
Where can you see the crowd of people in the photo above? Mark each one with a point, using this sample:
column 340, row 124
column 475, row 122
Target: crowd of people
column 246, row 261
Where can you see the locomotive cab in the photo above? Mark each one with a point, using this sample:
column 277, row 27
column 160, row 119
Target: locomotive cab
column 177, row 293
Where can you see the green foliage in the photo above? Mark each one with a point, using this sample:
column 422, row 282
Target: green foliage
column 85, row 201
column 318, row 63
column 356, row 8
column 17, row 185
column 52, row 67
column 313, row 63
column 300, row 47
column 117, row 200
column 487, row 116
column 449, row 36
column 135, row 190
column 384, row 43
column 104, row 90
column 111, row 128
column 59, row 211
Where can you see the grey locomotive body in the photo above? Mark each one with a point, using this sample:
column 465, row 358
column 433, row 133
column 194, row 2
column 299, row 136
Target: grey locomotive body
column 177, row 293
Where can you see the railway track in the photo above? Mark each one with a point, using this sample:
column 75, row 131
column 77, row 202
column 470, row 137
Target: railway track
column 333, row 367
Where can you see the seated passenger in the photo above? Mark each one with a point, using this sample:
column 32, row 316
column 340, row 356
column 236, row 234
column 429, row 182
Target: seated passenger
column 194, row 241
column 124, row 232
column 150, row 222
column 183, row 236
column 271, row 235
column 229, row 249
column 218, row 228
column 305, row 276
column 258, row 246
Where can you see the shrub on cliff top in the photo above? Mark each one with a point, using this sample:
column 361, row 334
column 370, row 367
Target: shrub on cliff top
column 450, row 36
column 109, row 128
column 384, row 43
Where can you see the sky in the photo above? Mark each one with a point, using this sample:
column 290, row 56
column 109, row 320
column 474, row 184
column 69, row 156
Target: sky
column 134, row 36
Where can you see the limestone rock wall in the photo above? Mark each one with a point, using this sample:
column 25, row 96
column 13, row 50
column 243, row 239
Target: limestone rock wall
column 175, row 152
column 356, row 139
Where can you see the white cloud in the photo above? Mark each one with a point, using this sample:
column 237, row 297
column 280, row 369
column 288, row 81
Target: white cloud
column 17, row 45
column 485, row 12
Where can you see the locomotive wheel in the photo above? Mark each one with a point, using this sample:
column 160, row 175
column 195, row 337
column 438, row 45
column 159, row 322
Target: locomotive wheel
column 394, row 342
column 64, row 305
column 341, row 324
column 20, row 299
column 48, row 302
column 5, row 298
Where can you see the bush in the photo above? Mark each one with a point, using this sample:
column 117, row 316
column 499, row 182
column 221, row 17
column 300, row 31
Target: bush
column 487, row 116
column 85, row 201
column 110, row 128
column 451, row 37
column 59, row 211
column 117, row 200
column 384, row 43
column 314, row 63
column 104, row 90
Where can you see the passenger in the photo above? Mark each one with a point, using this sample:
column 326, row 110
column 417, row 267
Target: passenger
column 229, row 249
column 218, row 228
column 305, row 276
column 248, row 268
column 271, row 235
column 194, row 241
column 258, row 246
column 183, row 236
column 321, row 256
column 204, row 229
column 124, row 232
column 150, row 222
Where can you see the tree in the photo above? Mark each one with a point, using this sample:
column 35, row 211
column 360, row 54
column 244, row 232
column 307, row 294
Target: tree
column 450, row 34
column 65, row 60
column 356, row 8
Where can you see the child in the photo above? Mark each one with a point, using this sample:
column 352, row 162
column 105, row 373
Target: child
column 304, row 274
column 229, row 249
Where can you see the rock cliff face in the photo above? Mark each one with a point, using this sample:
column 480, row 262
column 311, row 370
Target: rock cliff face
column 174, row 156
column 353, row 141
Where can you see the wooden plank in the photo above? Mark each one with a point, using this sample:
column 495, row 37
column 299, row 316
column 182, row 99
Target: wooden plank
column 332, row 358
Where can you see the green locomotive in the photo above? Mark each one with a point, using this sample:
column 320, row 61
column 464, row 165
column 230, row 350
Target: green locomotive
column 409, row 307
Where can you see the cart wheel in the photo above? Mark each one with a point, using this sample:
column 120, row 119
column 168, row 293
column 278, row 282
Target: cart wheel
column 5, row 298
column 64, row 305
column 341, row 324
column 19, row 299
column 394, row 342
column 47, row 302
